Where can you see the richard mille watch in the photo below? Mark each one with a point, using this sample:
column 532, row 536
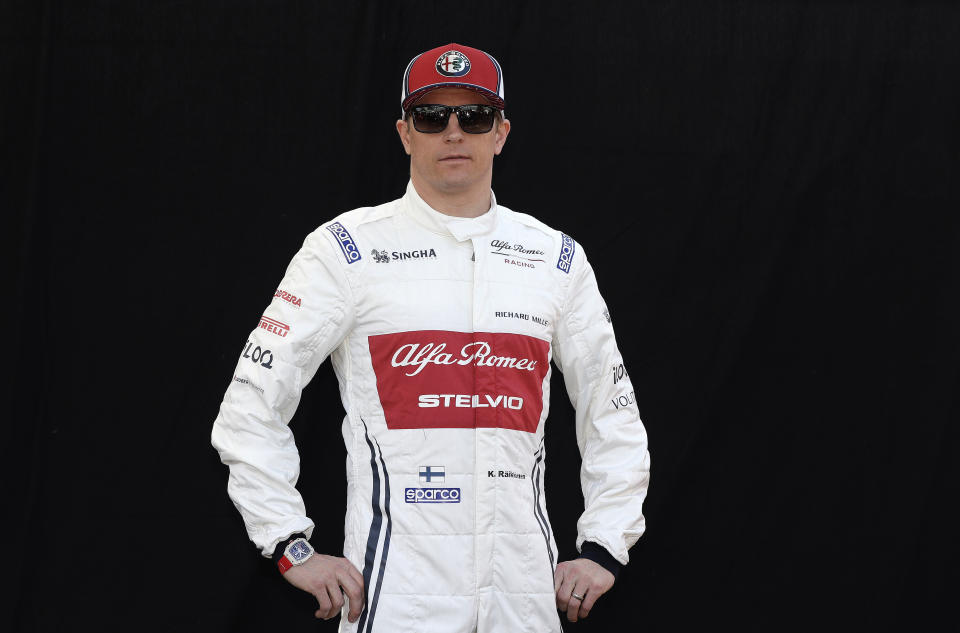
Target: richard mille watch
column 296, row 553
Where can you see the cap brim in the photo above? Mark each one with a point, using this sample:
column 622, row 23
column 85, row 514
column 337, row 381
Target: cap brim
column 415, row 96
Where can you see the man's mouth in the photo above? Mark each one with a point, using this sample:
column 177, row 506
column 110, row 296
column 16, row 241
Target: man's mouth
column 454, row 157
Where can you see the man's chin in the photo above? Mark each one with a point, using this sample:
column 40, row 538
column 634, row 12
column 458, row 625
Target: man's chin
column 452, row 181
column 455, row 184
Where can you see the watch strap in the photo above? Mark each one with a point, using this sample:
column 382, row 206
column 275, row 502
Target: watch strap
column 284, row 564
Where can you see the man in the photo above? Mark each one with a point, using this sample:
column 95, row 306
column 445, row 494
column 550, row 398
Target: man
column 441, row 312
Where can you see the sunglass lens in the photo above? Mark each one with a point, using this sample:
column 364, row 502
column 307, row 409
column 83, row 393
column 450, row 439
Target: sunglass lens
column 429, row 119
column 475, row 119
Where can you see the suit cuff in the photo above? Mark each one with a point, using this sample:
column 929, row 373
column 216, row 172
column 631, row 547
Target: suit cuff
column 282, row 545
column 596, row 553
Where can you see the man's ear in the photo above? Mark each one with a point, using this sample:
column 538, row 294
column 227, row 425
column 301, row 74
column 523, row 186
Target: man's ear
column 403, row 130
column 501, row 131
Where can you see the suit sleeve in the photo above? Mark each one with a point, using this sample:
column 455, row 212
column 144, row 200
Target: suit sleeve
column 612, row 440
column 309, row 316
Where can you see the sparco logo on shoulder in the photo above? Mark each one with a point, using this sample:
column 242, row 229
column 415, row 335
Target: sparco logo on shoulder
column 347, row 245
column 566, row 253
column 477, row 353
column 453, row 64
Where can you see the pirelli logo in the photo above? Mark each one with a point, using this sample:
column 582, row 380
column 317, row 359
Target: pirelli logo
column 274, row 327
column 566, row 253
column 347, row 245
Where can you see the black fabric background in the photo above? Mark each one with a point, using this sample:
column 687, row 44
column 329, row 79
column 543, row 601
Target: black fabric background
column 768, row 192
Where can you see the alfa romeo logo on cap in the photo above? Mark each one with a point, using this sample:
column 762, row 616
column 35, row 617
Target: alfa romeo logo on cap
column 453, row 64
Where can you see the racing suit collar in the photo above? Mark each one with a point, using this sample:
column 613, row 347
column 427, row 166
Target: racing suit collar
column 461, row 229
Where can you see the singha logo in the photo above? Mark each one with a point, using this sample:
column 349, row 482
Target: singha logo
column 380, row 257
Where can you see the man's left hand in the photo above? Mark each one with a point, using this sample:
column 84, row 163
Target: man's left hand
column 582, row 577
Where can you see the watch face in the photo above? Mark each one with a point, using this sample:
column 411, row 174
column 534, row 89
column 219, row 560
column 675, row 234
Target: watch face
column 299, row 551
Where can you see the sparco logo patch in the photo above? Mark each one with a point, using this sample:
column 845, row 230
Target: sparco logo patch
column 289, row 298
column 461, row 380
column 453, row 64
column 274, row 327
column 566, row 253
column 347, row 245
column 432, row 495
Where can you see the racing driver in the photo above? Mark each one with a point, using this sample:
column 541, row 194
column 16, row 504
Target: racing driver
column 441, row 312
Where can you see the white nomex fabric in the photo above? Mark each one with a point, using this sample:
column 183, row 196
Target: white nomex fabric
column 441, row 332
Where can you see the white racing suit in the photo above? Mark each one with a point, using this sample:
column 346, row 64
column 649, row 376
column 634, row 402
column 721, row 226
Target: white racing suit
column 441, row 331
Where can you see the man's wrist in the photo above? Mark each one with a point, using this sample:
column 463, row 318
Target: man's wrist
column 282, row 545
column 297, row 552
column 599, row 555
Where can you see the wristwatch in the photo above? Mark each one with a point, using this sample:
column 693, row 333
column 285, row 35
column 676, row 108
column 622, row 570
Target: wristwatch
column 296, row 553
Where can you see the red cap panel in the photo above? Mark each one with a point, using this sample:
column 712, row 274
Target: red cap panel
column 453, row 66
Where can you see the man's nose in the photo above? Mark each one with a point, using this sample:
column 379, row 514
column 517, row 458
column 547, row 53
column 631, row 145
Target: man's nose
column 453, row 131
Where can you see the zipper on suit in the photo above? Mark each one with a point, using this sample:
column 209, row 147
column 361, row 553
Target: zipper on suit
column 476, row 439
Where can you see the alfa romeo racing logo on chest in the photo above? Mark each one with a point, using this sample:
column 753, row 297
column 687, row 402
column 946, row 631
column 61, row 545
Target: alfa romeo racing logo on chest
column 453, row 64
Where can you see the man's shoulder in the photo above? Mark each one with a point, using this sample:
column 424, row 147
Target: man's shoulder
column 527, row 220
column 563, row 247
column 337, row 234
column 355, row 218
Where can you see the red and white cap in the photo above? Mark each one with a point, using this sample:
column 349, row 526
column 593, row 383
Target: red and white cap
column 452, row 66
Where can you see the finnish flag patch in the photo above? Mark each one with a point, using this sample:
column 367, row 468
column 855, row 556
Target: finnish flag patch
column 432, row 474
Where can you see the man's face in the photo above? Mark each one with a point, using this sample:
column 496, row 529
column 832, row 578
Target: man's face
column 452, row 161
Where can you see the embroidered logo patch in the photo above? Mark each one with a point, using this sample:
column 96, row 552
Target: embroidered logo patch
column 432, row 495
column 273, row 326
column 437, row 379
column 566, row 253
column 453, row 64
column 347, row 245
column 432, row 474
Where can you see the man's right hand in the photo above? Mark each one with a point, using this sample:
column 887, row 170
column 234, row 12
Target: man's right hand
column 324, row 576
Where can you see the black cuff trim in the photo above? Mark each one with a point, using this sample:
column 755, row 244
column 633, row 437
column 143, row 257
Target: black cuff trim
column 599, row 555
column 282, row 545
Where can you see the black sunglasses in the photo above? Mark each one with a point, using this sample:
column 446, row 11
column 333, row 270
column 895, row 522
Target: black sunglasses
column 432, row 118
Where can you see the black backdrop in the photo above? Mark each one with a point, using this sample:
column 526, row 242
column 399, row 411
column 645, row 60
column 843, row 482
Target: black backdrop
column 767, row 190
